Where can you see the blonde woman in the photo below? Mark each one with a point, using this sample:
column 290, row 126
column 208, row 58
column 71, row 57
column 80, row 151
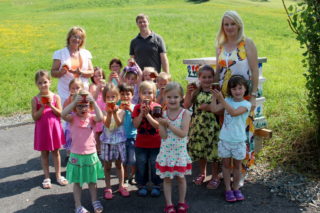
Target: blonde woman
column 237, row 54
column 71, row 62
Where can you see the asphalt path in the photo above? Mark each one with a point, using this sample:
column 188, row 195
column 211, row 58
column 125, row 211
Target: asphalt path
column 21, row 176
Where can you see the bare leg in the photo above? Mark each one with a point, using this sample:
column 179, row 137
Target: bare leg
column 125, row 173
column 107, row 170
column 226, row 172
column 45, row 163
column 236, row 173
column 98, row 142
column 119, row 168
column 133, row 170
column 215, row 169
column 56, row 162
column 93, row 191
column 167, row 189
column 77, row 195
column 68, row 153
column 203, row 167
column 182, row 185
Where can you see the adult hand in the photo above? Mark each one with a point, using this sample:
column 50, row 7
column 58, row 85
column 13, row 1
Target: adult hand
column 252, row 100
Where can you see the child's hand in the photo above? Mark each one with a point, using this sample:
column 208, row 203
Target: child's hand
column 190, row 89
column 142, row 109
column 147, row 109
column 78, row 99
column 131, row 62
column 101, row 85
column 160, row 92
column 89, row 98
column 115, row 109
column 50, row 100
column 163, row 121
column 216, row 94
column 205, row 107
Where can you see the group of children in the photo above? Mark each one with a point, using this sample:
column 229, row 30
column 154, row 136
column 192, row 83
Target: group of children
column 116, row 121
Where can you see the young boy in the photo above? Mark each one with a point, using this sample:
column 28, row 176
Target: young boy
column 162, row 80
column 126, row 94
column 149, row 74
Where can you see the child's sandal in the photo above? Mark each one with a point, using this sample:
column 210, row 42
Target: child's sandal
column 170, row 209
column 213, row 183
column 124, row 192
column 46, row 184
column 62, row 181
column 199, row 180
column 81, row 209
column 182, row 207
column 108, row 194
column 98, row 208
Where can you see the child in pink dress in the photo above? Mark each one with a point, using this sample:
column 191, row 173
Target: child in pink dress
column 48, row 133
column 173, row 159
column 96, row 88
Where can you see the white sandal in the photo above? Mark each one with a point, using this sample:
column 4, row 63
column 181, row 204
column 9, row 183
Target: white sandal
column 46, row 184
column 62, row 181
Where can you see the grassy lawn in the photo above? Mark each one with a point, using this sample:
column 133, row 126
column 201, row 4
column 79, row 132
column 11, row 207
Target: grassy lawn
column 31, row 31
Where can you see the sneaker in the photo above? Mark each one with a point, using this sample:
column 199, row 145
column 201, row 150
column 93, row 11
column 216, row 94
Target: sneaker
column 133, row 180
column 156, row 191
column 143, row 191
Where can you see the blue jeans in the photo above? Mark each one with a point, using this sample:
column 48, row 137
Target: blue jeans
column 130, row 149
column 143, row 155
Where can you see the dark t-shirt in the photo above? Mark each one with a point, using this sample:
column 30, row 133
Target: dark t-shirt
column 147, row 51
column 147, row 137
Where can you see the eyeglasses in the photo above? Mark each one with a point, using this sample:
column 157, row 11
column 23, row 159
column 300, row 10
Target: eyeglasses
column 83, row 106
column 77, row 37
column 115, row 66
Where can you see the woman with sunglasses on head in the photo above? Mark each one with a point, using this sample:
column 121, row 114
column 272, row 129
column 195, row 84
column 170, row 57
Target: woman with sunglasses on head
column 237, row 54
column 71, row 62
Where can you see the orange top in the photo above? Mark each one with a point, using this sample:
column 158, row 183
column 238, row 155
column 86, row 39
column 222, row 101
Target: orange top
column 75, row 63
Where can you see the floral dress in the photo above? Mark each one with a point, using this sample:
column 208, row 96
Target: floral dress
column 173, row 159
column 236, row 63
column 204, row 131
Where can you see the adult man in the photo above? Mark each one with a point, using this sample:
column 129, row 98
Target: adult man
column 148, row 48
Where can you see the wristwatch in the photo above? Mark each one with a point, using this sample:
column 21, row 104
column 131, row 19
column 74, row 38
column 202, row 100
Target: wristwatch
column 253, row 93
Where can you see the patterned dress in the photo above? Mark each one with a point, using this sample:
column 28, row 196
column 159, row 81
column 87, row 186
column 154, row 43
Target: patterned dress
column 173, row 159
column 236, row 63
column 204, row 131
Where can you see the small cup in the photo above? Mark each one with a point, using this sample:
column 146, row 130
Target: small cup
column 84, row 96
column 194, row 85
column 157, row 112
column 153, row 75
column 124, row 103
column 111, row 104
column 44, row 99
column 146, row 102
column 215, row 86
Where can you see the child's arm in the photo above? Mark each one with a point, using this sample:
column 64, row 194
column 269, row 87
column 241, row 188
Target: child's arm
column 151, row 120
column 121, row 77
column 233, row 112
column 65, row 104
column 214, row 106
column 55, row 109
column 65, row 113
column 159, row 97
column 93, row 89
column 107, row 118
column 139, row 75
column 162, row 127
column 98, row 114
column 36, row 114
column 188, row 96
column 118, row 118
column 181, row 133
column 137, row 120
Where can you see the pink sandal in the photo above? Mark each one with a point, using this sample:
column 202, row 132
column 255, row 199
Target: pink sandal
column 108, row 194
column 199, row 180
column 182, row 207
column 213, row 183
column 170, row 209
column 124, row 192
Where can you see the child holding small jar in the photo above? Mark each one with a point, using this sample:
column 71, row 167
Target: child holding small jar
column 132, row 75
column 162, row 80
column 148, row 140
column 113, row 139
column 96, row 88
column 115, row 66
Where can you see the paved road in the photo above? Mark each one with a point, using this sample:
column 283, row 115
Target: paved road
column 21, row 176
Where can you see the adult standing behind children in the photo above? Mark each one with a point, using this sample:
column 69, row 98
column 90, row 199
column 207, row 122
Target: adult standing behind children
column 148, row 48
column 71, row 62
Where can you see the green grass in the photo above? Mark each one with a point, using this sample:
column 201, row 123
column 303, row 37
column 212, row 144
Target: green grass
column 31, row 32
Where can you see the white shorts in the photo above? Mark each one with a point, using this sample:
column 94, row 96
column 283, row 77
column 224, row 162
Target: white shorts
column 228, row 149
